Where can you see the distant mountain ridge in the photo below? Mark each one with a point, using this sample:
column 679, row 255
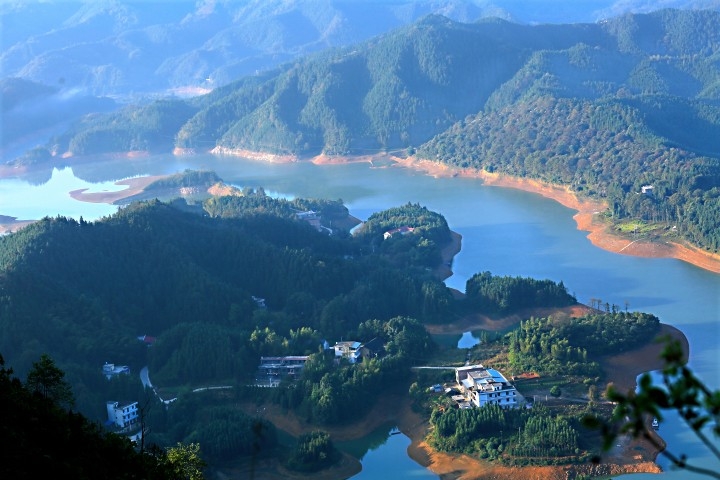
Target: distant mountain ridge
column 130, row 49
column 402, row 88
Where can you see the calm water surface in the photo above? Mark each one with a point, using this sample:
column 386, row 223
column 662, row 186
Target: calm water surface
column 505, row 231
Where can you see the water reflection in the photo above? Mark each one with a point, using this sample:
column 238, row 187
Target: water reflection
column 468, row 340
column 25, row 201
column 383, row 454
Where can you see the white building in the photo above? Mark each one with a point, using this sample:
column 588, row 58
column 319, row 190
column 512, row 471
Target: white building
column 110, row 370
column 349, row 350
column 123, row 414
column 395, row 231
column 483, row 386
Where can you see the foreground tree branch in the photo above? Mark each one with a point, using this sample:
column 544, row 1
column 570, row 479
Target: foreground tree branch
column 681, row 391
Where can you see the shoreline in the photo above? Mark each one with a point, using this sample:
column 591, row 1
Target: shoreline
column 587, row 209
column 134, row 185
column 637, row 456
column 586, row 216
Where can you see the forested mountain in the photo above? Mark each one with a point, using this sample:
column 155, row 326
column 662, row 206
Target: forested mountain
column 218, row 287
column 153, row 269
column 127, row 48
column 401, row 89
column 603, row 108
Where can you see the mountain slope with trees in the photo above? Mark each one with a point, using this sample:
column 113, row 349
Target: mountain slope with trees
column 41, row 438
column 153, row 269
column 133, row 49
column 604, row 109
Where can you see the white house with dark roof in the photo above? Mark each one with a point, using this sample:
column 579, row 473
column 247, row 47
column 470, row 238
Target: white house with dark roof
column 273, row 370
column 484, row 386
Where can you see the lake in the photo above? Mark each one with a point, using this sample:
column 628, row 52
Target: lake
column 504, row 231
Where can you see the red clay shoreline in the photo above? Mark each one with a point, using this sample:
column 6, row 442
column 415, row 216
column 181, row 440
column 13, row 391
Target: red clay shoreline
column 587, row 216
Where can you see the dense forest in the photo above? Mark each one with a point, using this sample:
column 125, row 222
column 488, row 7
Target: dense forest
column 192, row 278
column 236, row 278
column 605, row 109
column 537, row 436
column 561, row 346
column 325, row 391
column 504, row 295
column 419, row 234
column 153, row 269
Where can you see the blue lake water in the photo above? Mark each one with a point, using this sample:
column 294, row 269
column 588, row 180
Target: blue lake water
column 505, row 231
column 21, row 199
column 379, row 450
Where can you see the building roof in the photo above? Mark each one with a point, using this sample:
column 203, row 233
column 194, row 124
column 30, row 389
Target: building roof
column 122, row 404
column 469, row 368
column 401, row 230
column 112, row 369
column 483, row 379
column 266, row 361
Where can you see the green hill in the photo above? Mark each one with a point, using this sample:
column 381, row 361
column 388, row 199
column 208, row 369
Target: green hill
column 604, row 108
column 153, row 269
column 131, row 49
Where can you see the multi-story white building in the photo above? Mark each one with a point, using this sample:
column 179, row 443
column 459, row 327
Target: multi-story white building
column 483, row 386
column 122, row 414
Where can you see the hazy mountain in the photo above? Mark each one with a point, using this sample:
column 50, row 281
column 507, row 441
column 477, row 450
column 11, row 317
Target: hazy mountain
column 128, row 48
column 131, row 50
column 402, row 88
column 29, row 109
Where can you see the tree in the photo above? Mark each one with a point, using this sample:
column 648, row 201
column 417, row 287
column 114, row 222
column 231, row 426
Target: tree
column 48, row 380
column 313, row 452
column 555, row 391
column 416, row 393
column 681, row 391
column 41, row 439
column 185, row 461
